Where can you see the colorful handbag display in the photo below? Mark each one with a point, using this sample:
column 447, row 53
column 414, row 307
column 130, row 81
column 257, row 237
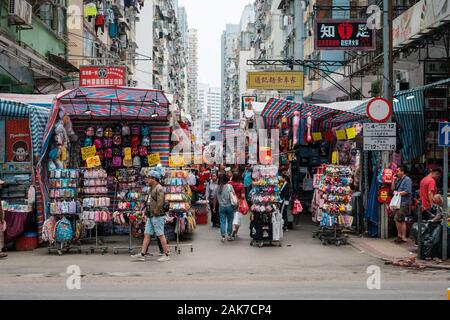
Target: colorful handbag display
column 108, row 133
column 117, row 140
column 117, row 162
column 135, row 129
column 126, row 131
column 135, row 141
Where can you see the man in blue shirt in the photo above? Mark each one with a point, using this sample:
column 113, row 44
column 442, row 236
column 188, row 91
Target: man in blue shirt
column 403, row 187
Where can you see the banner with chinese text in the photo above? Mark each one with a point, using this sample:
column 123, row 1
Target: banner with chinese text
column 275, row 80
column 343, row 35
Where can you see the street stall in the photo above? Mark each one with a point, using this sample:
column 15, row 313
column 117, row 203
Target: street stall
column 22, row 125
column 312, row 139
column 95, row 144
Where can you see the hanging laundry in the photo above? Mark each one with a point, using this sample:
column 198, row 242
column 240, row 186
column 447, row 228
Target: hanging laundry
column 113, row 29
column 100, row 8
column 109, row 16
column 90, row 11
column 99, row 24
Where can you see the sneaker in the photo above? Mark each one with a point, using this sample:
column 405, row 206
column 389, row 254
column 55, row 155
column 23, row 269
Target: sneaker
column 149, row 254
column 162, row 254
column 138, row 257
column 229, row 238
column 164, row 259
column 223, row 239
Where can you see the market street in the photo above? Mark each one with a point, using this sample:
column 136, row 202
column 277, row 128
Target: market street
column 301, row 269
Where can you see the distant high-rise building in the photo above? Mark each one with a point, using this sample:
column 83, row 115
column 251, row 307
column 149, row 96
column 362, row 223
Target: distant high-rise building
column 192, row 76
column 209, row 102
column 230, row 72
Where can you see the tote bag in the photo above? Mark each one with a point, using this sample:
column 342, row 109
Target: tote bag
column 233, row 198
column 308, row 182
column 396, row 202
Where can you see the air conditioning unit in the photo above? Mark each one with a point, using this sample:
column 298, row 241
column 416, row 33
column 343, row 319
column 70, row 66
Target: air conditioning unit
column 20, row 12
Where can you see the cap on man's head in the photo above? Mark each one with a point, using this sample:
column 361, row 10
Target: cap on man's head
column 154, row 174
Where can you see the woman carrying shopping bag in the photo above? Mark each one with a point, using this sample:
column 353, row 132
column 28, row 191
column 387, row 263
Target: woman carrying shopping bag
column 227, row 206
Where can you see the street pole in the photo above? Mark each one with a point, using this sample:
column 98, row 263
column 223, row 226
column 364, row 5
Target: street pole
column 444, row 222
column 388, row 77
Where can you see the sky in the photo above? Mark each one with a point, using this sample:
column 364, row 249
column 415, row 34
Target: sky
column 209, row 17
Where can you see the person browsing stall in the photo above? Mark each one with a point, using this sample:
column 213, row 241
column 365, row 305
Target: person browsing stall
column 428, row 190
column 211, row 195
column 404, row 189
column 226, row 209
column 155, row 218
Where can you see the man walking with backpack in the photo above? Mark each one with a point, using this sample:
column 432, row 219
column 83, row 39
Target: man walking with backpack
column 155, row 218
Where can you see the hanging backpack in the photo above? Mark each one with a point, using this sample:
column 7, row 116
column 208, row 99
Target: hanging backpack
column 64, row 231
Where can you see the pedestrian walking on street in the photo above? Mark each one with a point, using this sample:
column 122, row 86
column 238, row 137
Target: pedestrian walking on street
column 155, row 218
column 226, row 209
column 2, row 226
column 285, row 194
column 428, row 190
column 239, row 191
column 403, row 187
column 211, row 195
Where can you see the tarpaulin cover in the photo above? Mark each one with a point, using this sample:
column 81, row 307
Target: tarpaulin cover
column 38, row 117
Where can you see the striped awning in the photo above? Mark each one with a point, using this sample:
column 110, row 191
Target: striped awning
column 323, row 117
column 230, row 128
column 115, row 102
column 37, row 115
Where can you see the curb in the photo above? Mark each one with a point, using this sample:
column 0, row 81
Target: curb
column 379, row 255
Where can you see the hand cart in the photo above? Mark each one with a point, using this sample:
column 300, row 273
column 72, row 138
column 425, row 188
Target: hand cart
column 180, row 245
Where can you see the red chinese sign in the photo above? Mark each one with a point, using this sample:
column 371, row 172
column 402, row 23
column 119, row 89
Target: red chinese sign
column 344, row 35
column 102, row 76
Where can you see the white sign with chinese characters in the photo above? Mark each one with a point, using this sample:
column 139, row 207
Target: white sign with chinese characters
column 380, row 143
column 380, row 130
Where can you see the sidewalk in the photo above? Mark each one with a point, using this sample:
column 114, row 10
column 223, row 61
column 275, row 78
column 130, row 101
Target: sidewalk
column 404, row 255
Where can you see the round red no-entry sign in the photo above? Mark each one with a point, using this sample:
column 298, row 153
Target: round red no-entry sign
column 379, row 110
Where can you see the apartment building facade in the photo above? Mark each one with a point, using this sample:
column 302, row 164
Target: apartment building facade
column 192, row 77
column 33, row 47
column 230, row 72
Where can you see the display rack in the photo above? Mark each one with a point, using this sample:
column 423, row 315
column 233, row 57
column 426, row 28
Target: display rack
column 127, row 205
column 64, row 204
column 335, row 218
column 177, row 196
column 266, row 226
column 95, row 204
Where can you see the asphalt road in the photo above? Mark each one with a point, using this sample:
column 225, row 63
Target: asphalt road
column 301, row 269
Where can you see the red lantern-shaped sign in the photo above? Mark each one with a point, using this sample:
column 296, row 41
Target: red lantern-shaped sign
column 387, row 177
column 384, row 195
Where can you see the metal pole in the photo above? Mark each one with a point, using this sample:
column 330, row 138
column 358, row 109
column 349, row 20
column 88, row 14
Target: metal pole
column 419, row 232
column 388, row 75
column 444, row 221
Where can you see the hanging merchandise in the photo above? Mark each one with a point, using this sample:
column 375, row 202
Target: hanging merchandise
column 309, row 126
column 295, row 126
column 178, row 198
column 265, row 196
column 334, row 210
